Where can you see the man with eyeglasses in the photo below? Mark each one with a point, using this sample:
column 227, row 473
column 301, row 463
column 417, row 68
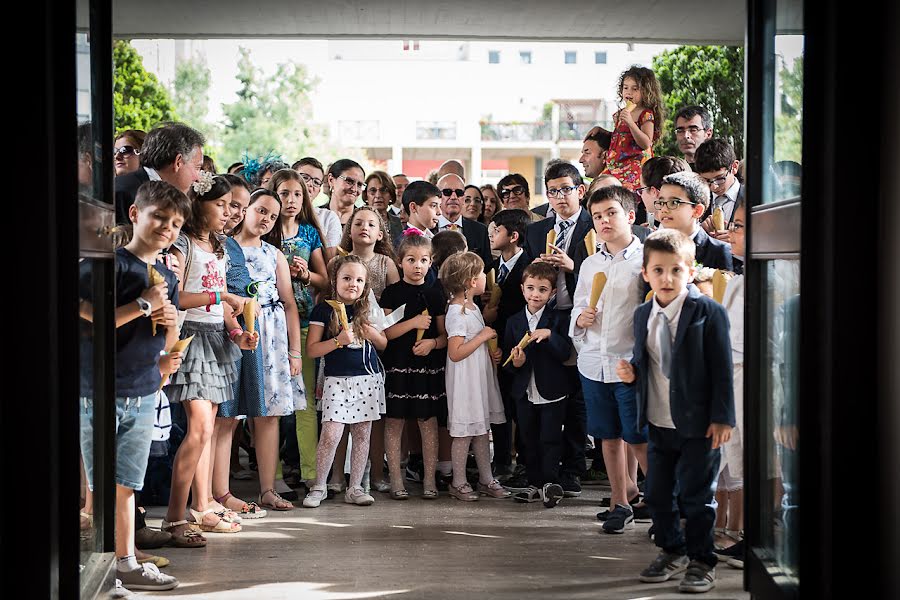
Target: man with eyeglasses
column 716, row 162
column 452, row 189
column 692, row 127
column 514, row 193
column 172, row 153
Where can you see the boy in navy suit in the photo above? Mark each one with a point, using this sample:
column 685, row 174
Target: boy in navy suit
column 683, row 371
column 507, row 237
column 683, row 199
column 540, row 382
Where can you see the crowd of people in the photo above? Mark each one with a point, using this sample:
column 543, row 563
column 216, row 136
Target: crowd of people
column 435, row 330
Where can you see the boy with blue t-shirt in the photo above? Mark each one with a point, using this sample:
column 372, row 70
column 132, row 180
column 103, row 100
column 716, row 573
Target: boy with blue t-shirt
column 146, row 325
column 683, row 376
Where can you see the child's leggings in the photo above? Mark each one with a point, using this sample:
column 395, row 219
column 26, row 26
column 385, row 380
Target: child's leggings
column 328, row 443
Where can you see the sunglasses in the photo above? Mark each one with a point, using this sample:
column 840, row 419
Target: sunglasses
column 447, row 192
column 518, row 191
column 126, row 151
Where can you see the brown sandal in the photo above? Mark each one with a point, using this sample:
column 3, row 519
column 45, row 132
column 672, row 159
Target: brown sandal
column 280, row 503
column 188, row 537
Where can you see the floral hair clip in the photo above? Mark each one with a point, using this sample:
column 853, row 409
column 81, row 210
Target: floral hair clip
column 203, row 184
column 411, row 231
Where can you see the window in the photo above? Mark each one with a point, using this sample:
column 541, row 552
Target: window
column 494, row 57
column 570, row 57
column 525, row 57
column 600, row 58
column 435, row 130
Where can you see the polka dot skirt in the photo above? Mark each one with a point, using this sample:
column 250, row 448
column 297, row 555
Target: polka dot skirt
column 353, row 399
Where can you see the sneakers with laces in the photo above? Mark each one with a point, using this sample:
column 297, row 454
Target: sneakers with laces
column 530, row 494
column 147, row 577
column 698, row 578
column 358, row 496
column 620, row 519
column 315, row 496
column 664, row 567
column 552, row 493
column 571, row 487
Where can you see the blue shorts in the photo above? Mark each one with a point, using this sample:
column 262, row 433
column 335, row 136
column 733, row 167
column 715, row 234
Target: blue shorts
column 134, row 433
column 612, row 411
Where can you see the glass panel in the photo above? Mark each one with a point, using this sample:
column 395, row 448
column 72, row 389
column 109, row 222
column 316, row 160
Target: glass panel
column 781, row 493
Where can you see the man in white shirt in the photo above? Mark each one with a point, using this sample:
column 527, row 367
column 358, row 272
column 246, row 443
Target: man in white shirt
column 452, row 189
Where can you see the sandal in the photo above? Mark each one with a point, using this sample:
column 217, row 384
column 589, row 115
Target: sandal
column 221, row 526
column 248, row 510
column 223, row 512
column 429, row 494
column 280, row 504
column 399, row 494
column 188, row 537
column 87, row 521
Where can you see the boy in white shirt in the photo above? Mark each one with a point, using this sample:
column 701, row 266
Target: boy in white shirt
column 604, row 334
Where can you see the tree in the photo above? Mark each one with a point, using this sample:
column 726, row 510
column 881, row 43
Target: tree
column 190, row 92
column 711, row 76
column 788, row 124
column 271, row 114
column 139, row 100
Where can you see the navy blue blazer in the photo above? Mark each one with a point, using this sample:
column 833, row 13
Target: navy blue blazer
column 712, row 253
column 545, row 359
column 701, row 389
column 477, row 240
column 536, row 244
column 125, row 189
column 512, row 300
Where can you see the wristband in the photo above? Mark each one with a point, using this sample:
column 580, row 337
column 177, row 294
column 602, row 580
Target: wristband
column 218, row 298
column 234, row 333
column 336, row 342
column 294, row 355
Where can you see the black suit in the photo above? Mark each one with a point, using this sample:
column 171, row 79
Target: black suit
column 126, row 187
column 536, row 244
column 541, row 210
column 477, row 240
column 712, row 253
column 541, row 424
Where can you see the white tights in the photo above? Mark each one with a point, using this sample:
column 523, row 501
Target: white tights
column 328, row 443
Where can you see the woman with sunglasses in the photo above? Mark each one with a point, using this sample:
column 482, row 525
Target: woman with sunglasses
column 127, row 151
column 346, row 179
column 492, row 203
column 473, row 203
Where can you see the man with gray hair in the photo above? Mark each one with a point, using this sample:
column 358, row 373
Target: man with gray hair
column 693, row 126
column 452, row 189
column 452, row 166
column 172, row 152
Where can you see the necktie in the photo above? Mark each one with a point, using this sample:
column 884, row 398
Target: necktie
column 504, row 271
column 563, row 232
column 664, row 337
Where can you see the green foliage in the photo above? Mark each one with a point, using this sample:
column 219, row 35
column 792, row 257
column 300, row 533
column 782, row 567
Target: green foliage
column 711, row 76
column 139, row 100
column 190, row 93
column 271, row 113
column 788, row 124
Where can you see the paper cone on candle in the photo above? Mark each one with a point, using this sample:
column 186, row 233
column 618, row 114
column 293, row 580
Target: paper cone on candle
column 156, row 278
column 420, row 333
column 491, row 279
column 719, row 283
column 179, row 346
column 718, row 219
column 492, row 344
column 648, row 296
column 597, row 286
column 342, row 252
column 551, row 240
column 250, row 315
column 526, row 339
column 590, row 242
column 341, row 311
column 496, row 294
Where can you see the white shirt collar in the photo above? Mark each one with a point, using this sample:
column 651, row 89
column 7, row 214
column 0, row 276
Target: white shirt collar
column 536, row 317
column 152, row 174
column 443, row 221
column 696, row 231
column 573, row 219
column 732, row 192
column 627, row 252
column 512, row 261
column 674, row 307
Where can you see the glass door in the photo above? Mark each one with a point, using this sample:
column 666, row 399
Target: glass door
column 774, row 164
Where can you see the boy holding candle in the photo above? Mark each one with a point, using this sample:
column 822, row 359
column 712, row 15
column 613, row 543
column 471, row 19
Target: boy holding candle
column 602, row 329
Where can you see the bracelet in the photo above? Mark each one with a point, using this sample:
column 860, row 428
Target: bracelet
column 292, row 355
column 336, row 342
column 234, row 333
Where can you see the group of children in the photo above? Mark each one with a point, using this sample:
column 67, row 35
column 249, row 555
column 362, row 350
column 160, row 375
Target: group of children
column 577, row 328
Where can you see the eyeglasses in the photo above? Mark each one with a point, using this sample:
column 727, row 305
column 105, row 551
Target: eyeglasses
column 126, row 151
column 312, row 180
column 352, row 182
column 447, row 192
column 474, row 200
column 563, row 191
column 693, row 130
column 377, row 190
column 641, row 189
column 672, row 204
column 717, row 181
column 518, row 191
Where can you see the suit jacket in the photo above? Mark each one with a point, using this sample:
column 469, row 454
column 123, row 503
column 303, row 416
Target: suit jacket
column 477, row 240
column 701, row 387
column 540, row 211
column 713, row 253
column 126, row 187
column 512, row 300
column 545, row 360
column 536, row 244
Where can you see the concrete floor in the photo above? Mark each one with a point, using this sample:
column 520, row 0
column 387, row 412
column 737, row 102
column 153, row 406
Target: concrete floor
column 493, row 549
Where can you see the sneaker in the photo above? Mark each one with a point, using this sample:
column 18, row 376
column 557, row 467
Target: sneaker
column 595, row 477
column 552, row 494
column 358, row 496
column 605, row 501
column 382, row 486
column 530, row 494
column 415, row 470
column 603, row 515
column 641, row 513
column 651, row 533
column 734, row 553
column 315, row 496
column 571, row 487
column 620, row 519
column 443, row 481
column 698, row 578
column 736, row 562
column 664, row 567
column 147, row 577
column 516, row 483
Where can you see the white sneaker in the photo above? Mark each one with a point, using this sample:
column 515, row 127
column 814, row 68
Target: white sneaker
column 314, row 497
column 147, row 577
column 358, row 496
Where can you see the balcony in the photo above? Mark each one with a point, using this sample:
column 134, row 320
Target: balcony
column 577, row 130
column 435, row 130
column 538, row 131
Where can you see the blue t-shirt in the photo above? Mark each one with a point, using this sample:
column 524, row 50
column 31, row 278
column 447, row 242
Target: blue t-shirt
column 303, row 245
column 137, row 349
column 347, row 361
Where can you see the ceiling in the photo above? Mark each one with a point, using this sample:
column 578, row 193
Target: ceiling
column 649, row 21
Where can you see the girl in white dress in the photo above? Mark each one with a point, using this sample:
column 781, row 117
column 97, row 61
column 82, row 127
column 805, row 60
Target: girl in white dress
column 473, row 395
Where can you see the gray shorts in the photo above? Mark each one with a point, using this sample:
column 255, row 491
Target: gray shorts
column 134, row 432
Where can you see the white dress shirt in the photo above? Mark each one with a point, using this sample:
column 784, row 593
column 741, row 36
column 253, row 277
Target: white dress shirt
column 331, row 227
column 533, row 395
column 152, row 174
column 611, row 338
column 659, row 409
column 511, row 263
column 445, row 223
column 563, row 299
column 728, row 200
